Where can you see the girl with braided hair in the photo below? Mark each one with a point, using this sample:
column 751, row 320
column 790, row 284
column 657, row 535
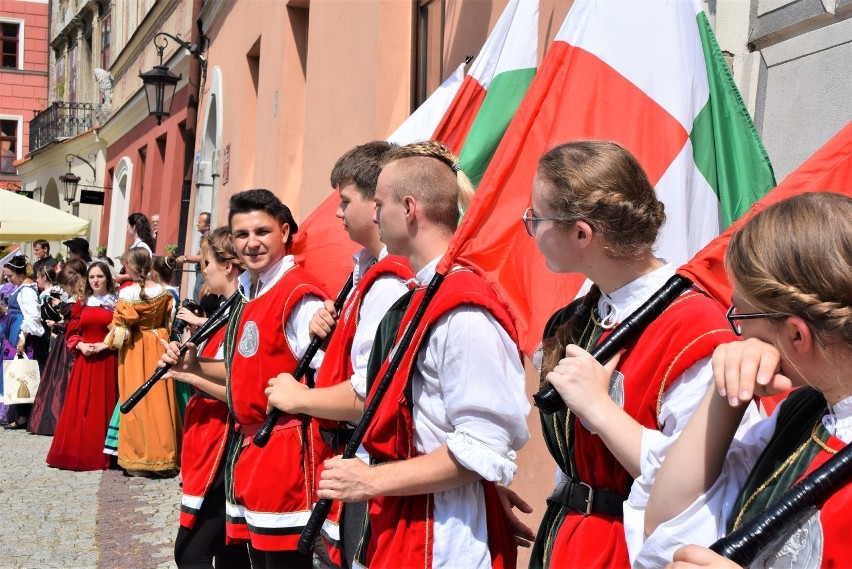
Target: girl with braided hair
column 148, row 436
column 791, row 271
column 201, row 536
column 595, row 212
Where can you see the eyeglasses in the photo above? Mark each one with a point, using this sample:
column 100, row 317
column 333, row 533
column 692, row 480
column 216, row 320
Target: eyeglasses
column 734, row 319
column 531, row 222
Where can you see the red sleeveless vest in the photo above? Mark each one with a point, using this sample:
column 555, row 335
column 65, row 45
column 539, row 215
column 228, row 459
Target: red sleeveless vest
column 401, row 527
column 337, row 363
column 279, row 478
column 688, row 331
column 205, row 429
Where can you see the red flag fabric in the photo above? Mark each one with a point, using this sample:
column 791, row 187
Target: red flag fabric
column 828, row 170
column 323, row 247
column 556, row 109
column 453, row 128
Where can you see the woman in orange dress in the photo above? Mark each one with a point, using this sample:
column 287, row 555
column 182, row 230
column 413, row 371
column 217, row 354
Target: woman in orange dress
column 149, row 436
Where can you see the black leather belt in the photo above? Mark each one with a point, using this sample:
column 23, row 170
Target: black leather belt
column 583, row 498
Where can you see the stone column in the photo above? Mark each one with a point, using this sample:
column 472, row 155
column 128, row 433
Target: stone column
column 66, row 72
column 81, row 66
column 95, row 56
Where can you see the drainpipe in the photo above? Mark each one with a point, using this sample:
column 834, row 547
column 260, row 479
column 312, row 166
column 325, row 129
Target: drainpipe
column 194, row 87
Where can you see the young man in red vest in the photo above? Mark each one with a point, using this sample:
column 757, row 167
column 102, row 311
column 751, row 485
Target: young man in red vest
column 269, row 490
column 455, row 414
column 379, row 280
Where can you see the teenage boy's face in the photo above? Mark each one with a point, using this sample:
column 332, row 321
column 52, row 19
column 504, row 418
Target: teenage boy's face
column 259, row 240
column 356, row 212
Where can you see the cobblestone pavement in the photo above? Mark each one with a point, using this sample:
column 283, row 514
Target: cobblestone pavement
column 59, row 519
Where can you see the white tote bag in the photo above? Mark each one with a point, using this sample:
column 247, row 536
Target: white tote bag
column 20, row 380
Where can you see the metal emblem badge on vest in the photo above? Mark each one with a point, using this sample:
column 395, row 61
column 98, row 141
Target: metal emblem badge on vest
column 800, row 549
column 616, row 393
column 249, row 340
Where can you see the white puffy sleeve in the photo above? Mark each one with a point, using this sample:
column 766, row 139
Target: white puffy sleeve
column 483, row 388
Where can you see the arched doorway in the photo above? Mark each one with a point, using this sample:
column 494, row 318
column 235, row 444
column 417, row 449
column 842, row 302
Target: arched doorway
column 118, row 210
column 51, row 194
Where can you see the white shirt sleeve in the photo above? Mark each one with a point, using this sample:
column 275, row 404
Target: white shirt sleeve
column 297, row 328
column 386, row 290
column 28, row 301
column 678, row 404
column 706, row 519
column 482, row 387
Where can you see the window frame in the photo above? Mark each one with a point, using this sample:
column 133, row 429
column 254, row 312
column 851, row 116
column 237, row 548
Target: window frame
column 19, row 135
column 20, row 57
column 422, row 56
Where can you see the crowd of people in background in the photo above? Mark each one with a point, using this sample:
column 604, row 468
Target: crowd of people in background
column 94, row 326
column 639, row 481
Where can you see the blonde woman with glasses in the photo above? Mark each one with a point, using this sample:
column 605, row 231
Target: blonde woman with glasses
column 791, row 271
column 594, row 212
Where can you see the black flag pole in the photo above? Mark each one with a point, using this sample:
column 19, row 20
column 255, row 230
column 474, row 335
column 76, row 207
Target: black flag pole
column 548, row 399
column 323, row 506
column 218, row 319
column 743, row 545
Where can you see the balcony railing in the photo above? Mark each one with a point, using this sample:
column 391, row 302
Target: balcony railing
column 59, row 121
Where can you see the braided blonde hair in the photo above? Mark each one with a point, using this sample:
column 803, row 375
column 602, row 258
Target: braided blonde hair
column 138, row 261
column 795, row 259
column 601, row 183
column 221, row 245
column 445, row 191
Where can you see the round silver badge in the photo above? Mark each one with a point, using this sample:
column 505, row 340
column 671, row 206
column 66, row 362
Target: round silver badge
column 249, row 339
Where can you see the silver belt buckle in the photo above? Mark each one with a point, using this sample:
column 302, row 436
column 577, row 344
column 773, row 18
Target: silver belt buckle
column 590, row 499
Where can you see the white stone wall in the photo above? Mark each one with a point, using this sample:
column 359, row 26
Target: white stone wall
column 792, row 60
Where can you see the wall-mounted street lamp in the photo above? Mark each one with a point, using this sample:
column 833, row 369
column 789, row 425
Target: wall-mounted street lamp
column 71, row 181
column 160, row 83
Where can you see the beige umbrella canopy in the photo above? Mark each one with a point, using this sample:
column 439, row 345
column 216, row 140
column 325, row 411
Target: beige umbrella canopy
column 23, row 219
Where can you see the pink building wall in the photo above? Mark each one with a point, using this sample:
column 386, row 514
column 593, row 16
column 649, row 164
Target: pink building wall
column 331, row 75
column 23, row 91
column 157, row 179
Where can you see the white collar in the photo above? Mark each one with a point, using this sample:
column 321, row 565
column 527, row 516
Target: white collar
column 105, row 300
column 839, row 417
column 132, row 292
column 363, row 261
column 424, row 275
column 267, row 278
column 614, row 308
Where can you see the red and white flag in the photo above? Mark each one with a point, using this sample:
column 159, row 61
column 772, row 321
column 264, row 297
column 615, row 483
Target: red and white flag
column 650, row 76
